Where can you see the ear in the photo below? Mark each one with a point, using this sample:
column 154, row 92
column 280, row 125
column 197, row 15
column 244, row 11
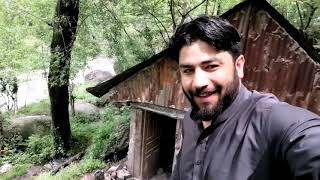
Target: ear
column 239, row 64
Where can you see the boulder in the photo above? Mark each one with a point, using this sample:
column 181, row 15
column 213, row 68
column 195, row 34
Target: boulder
column 98, row 76
column 99, row 175
column 29, row 125
column 85, row 108
column 123, row 174
column 5, row 168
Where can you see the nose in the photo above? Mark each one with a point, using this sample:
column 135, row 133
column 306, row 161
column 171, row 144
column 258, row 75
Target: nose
column 200, row 80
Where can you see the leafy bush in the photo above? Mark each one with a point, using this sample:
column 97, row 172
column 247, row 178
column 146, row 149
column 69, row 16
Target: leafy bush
column 111, row 118
column 40, row 149
column 11, row 148
column 81, row 118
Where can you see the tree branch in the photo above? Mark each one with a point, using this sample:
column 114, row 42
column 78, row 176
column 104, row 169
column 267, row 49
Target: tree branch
column 313, row 10
column 174, row 25
column 183, row 17
column 83, row 20
column 195, row 7
column 300, row 16
column 206, row 10
column 162, row 25
column 113, row 14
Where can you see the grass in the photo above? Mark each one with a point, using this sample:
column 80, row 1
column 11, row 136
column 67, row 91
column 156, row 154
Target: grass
column 74, row 171
column 40, row 108
column 17, row 171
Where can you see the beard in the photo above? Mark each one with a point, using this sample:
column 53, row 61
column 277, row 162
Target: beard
column 211, row 113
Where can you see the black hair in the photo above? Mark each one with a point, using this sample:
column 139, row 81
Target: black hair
column 216, row 31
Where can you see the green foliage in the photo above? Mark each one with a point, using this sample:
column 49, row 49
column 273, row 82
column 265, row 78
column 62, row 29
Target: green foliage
column 111, row 119
column 80, row 93
column 85, row 119
column 36, row 150
column 304, row 15
column 17, row 171
column 40, row 149
column 40, row 108
column 11, row 148
column 24, row 35
column 89, row 165
column 132, row 31
column 129, row 31
column 96, row 133
column 74, row 171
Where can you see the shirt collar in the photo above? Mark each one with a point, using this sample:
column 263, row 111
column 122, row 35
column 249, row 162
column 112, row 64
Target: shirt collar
column 242, row 96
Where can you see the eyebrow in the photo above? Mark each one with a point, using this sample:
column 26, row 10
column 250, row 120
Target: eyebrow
column 212, row 59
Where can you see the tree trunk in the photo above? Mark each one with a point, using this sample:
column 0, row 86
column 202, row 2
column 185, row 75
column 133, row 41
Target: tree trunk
column 1, row 125
column 71, row 97
column 64, row 34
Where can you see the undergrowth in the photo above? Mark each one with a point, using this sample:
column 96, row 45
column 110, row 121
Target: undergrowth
column 90, row 133
column 17, row 171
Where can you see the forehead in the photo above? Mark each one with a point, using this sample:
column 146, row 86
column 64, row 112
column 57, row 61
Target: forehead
column 201, row 52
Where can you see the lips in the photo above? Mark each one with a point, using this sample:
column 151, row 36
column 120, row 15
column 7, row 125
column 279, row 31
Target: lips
column 204, row 94
column 204, row 97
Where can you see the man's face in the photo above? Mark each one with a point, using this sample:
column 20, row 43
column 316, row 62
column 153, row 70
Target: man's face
column 210, row 79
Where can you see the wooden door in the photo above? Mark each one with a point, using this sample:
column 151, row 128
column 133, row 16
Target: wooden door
column 151, row 145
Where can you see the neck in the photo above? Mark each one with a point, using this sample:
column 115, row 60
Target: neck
column 206, row 124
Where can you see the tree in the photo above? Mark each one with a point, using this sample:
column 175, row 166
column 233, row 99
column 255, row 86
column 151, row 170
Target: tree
column 64, row 34
column 304, row 15
column 8, row 92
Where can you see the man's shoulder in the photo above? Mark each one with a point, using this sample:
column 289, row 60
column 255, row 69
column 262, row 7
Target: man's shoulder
column 279, row 110
column 278, row 117
column 288, row 112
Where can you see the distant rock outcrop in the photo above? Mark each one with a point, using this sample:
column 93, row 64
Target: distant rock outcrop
column 98, row 76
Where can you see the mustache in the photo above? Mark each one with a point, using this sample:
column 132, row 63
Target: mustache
column 205, row 92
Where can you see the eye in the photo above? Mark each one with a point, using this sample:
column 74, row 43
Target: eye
column 211, row 66
column 187, row 71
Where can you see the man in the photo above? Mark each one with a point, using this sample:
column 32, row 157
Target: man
column 232, row 133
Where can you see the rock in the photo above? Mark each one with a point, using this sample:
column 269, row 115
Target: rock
column 88, row 177
column 54, row 164
column 29, row 125
column 114, row 168
column 99, row 175
column 5, row 168
column 161, row 175
column 123, row 174
column 85, row 108
column 113, row 174
column 98, row 63
column 98, row 76
column 107, row 176
column 160, row 171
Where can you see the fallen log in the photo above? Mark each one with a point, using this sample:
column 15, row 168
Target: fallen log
column 76, row 157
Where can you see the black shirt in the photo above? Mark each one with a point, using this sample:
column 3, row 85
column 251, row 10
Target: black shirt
column 257, row 137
